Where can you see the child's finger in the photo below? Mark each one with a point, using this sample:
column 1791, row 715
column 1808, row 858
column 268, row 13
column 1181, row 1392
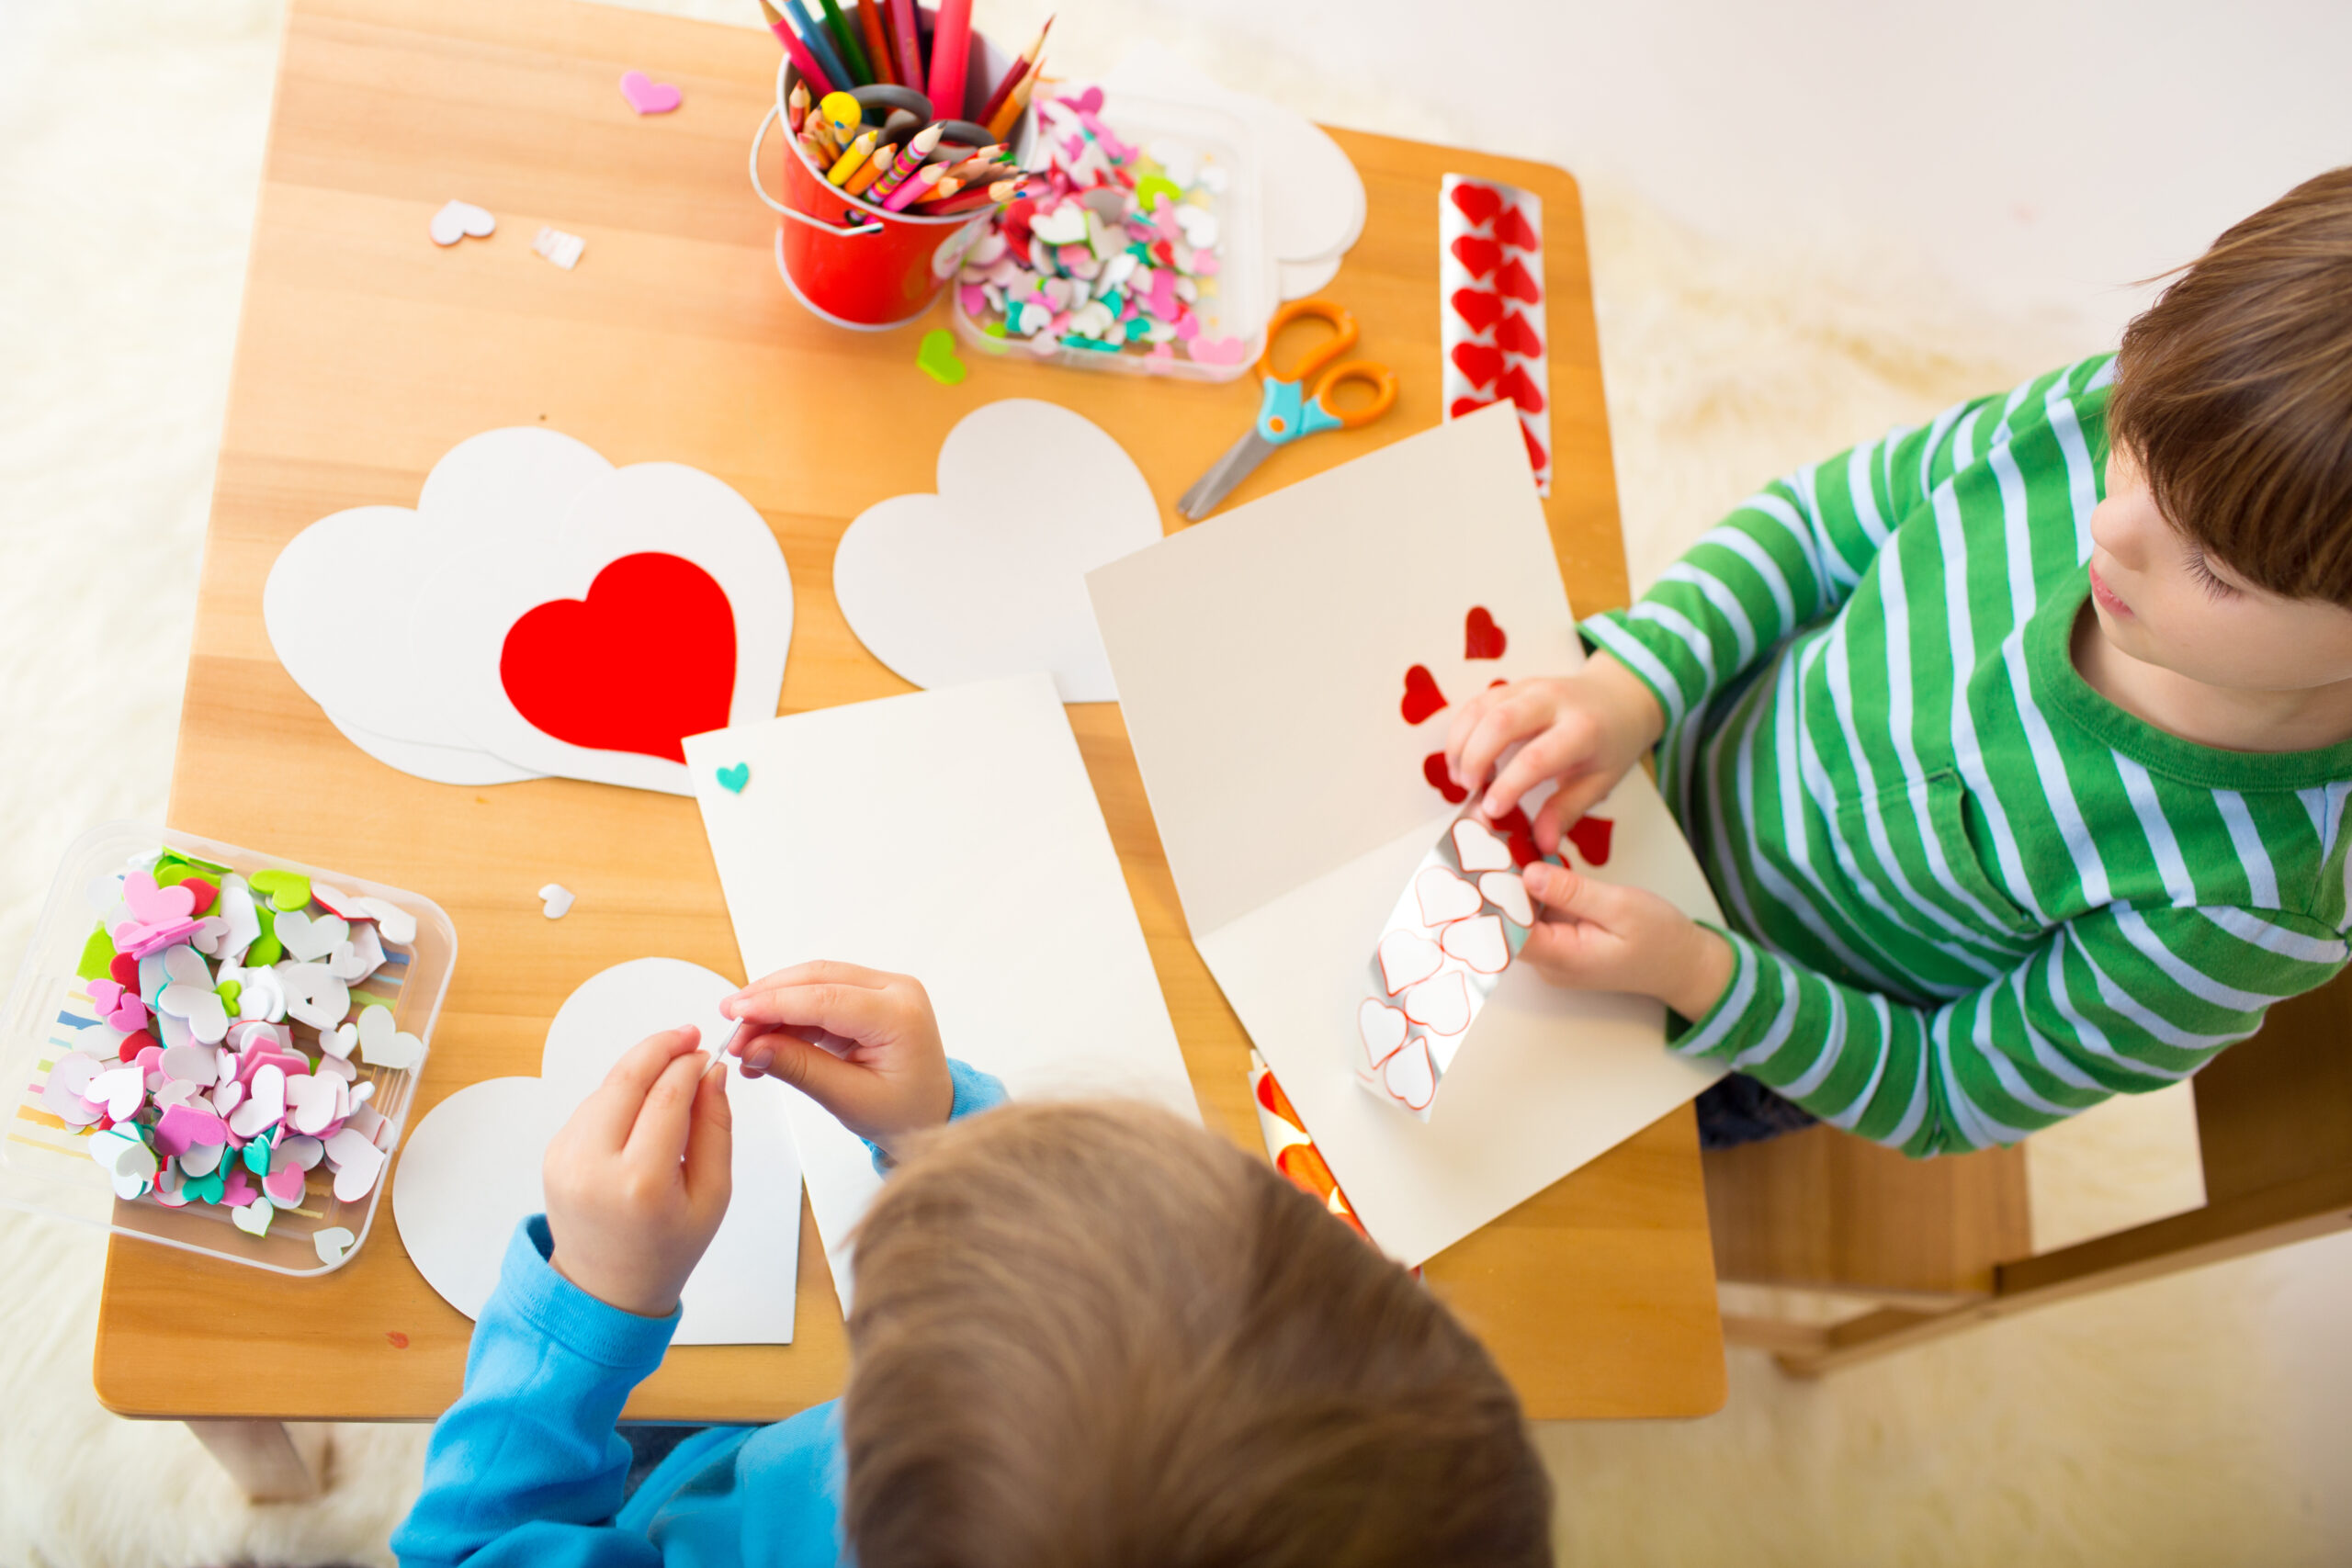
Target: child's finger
column 1564, row 892
column 659, row 1138
column 856, row 1011
column 710, row 1139
column 1557, row 749
column 1512, row 719
column 839, row 1087
column 1567, row 808
column 611, row 1111
column 1465, row 719
column 820, row 971
column 748, row 1032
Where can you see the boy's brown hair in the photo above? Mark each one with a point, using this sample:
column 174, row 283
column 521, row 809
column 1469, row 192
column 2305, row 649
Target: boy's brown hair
column 2234, row 392
column 1091, row 1334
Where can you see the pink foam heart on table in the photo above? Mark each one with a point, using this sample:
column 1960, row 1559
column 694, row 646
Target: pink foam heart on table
column 183, row 1127
column 1218, row 350
column 1407, row 958
column 284, row 1188
column 1478, row 942
column 647, row 96
column 1442, row 1005
column 1088, row 101
column 1381, row 1028
column 973, row 299
column 1411, row 1077
column 1443, row 896
column 1475, row 846
column 1507, row 891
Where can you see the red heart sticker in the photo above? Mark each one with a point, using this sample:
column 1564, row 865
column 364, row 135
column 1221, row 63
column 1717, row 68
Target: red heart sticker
column 1422, row 696
column 1515, row 231
column 204, row 892
column 1477, row 256
column 1469, row 405
column 645, row 660
column 1536, row 458
column 1518, row 387
column 1478, row 308
column 1515, row 282
column 1591, row 836
column 1434, row 770
column 1478, row 203
column 1478, row 362
column 1515, row 336
column 1481, row 638
column 123, row 970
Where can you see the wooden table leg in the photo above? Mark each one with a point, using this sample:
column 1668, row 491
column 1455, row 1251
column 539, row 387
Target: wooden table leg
column 274, row 1461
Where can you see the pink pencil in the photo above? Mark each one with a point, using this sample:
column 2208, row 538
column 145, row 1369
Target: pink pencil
column 908, row 41
column 810, row 72
column 924, row 178
column 951, row 40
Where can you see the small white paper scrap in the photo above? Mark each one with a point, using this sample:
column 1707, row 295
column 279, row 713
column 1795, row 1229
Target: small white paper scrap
column 560, row 247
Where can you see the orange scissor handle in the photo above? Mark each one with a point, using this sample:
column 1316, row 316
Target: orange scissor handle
column 1373, row 373
column 1342, row 338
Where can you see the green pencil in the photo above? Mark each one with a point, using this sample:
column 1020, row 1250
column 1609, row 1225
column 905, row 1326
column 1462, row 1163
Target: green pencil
column 844, row 37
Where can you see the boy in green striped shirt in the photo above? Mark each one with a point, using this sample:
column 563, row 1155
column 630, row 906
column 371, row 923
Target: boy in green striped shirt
column 2016, row 746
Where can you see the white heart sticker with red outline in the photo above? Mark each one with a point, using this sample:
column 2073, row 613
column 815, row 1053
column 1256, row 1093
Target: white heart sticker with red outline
column 1441, row 1005
column 1443, row 896
column 1406, row 957
column 1478, row 942
column 1475, row 846
column 1507, row 891
column 1381, row 1028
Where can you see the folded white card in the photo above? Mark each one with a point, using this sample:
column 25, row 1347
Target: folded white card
column 1280, row 668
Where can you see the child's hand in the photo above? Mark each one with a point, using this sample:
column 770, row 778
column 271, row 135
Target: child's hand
column 883, row 1074
column 1584, row 729
column 637, row 1180
column 1599, row 936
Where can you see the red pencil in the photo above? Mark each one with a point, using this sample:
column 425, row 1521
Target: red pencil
column 996, row 195
column 877, row 43
column 810, row 72
column 1013, row 74
column 951, row 40
column 907, row 35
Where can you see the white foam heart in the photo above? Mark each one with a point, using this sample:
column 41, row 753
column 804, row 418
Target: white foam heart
column 177, row 1091
column 265, row 1103
column 211, row 933
column 393, row 922
column 235, row 906
column 1479, row 942
column 557, row 900
column 254, row 1218
column 261, row 995
column 988, row 576
column 228, row 1096
column 1442, row 1005
column 119, row 1091
column 61, row 1092
column 297, row 1149
column 358, row 1163
column 332, row 1244
column 1381, row 1028
column 313, row 995
column 314, row 1100
column 458, row 219
column 186, row 966
column 355, row 960
column 336, row 901
column 382, row 1045
column 1475, row 846
column 1443, row 896
column 1507, row 891
column 1406, row 957
column 203, row 1159
column 200, row 1006
column 309, row 940
column 335, row 1066
column 470, row 1169
column 1409, row 1077
column 197, row 1064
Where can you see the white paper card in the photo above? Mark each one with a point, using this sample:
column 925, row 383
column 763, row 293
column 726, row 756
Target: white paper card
column 954, row 836
column 1261, row 661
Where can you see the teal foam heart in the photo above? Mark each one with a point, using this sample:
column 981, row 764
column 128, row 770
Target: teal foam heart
column 732, row 780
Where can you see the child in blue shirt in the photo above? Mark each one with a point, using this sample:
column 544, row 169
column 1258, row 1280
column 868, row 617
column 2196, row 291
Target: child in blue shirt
column 1083, row 1334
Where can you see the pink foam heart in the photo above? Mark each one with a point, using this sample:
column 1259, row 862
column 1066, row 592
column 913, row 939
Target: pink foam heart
column 1443, row 896
column 152, row 906
column 117, row 1007
column 1406, row 957
column 284, row 1187
column 183, row 1127
column 1507, row 892
column 1218, row 350
column 237, row 1188
column 1087, row 102
column 1381, row 1028
column 1475, row 846
column 1441, row 1006
column 1411, row 1077
column 1478, row 942
column 647, row 96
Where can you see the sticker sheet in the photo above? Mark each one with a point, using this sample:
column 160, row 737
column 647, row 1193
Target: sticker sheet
column 1490, row 309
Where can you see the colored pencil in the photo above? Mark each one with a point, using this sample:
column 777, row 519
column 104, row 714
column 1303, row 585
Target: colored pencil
column 995, row 195
column 907, row 161
column 1013, row 72
column 951, row 42
column 977, row 165
column 877, row 41
column 821, row 131
column 924, row 179
column 805, row 63
column 844, row 42
column 1009, row 113
column 906, row 36
column 819, row 44
column 940, row 192
column 796, row 106
column 858, row 151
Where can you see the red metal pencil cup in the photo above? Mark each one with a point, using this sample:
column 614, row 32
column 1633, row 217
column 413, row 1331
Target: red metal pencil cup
column 849, row 260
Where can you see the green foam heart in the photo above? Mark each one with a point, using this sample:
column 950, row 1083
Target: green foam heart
column 287, row 890
column 97, row 955
column 257, row 1156
column 936, row 358
column 267, row 948
column 1156, row 184
column 229, row 991
column 208, row 1186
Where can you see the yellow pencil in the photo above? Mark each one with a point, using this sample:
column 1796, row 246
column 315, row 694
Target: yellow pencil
column 846, row 165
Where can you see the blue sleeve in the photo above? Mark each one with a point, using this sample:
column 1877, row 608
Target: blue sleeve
column 527, row 1466
column 975, row 1091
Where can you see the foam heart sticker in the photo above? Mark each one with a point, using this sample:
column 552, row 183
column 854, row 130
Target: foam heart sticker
column 313, row 995
column 377, row 1041
column 935, row 357
column 1478, row 942
column 732, row 780
column 333, row 1245
column 1441, row 779
column 1477, row 256
column 645, row 660
column 1422, row 696
column 1480, row 362
column 264, row 1105
column 1410, row 1076
column 1382, row 1029
column 254, row 1218
column 1477, row 202
column 1480, row 307
column 1515, row 282
column 1407, row 958
column 1516, row 232
column 1441, row 1005
column 358, row 1162
column 555, row 900
column 287, row 891
column 647, row 96
column 1481, row 638
column 1443, row 896
column 309, row 940
column 1515, row 336
column 458, row 219
column 1520, row 389
column 1507, row 891
column 61, row 1092
column 1475, row 846
column 116, row 1007
column 1591, row 836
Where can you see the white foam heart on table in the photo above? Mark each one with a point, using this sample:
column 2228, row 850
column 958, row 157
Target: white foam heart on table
column 1408, row 1075
column 309, row 940
column 556, row 901
column 333, row 1245
column 1475, row 846
column 1381, row 1028
column 254, row 1218
column 379, row 1042
column 358, row 957
column 1507, row 891
column 1479, row 942
column 455, row 220
column 1406, row 956
column 313, row 995
column 1443, row 896
column 470, row 1169
column 986, row 575
column 358, row 1163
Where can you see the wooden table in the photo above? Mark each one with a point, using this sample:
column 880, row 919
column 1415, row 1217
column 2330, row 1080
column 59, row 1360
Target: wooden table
column 367, row 352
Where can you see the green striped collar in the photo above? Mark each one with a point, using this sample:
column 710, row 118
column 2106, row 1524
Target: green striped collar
column 2060, row 688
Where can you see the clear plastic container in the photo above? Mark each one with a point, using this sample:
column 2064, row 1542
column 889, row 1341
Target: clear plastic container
column 1244, row 296
column 45, row 1168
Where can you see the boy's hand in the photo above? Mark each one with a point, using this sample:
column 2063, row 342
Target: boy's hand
column 1583, row 730
column 1598, row 936
column 637, row 1180
column 882, row 1073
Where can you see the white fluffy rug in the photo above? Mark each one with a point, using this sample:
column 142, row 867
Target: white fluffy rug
column 2154, row 1424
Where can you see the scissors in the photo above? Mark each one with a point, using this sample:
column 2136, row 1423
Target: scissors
column 1288, row 411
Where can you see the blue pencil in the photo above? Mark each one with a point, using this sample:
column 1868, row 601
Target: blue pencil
column 819, row 44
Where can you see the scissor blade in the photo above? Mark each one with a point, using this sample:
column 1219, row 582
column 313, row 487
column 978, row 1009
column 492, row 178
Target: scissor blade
column 1211, row 489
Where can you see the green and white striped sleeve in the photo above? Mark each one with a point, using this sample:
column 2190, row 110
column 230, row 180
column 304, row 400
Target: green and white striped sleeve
column 2119, row 1000
column 1786, row 558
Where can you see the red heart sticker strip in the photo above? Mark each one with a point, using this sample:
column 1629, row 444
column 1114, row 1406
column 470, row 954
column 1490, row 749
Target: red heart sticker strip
column 1591, row 836
column 1518, row 387
column 1515, row 336
column 1481, row 638
column 1477, row 256
column 1515, row 231
column 1478, row 308
column 1515, row 282
column 645, row 660
column 1469, row 405
column 1478, row 203
column 1478, row 362
column 1422, row 696
column 1536, row 456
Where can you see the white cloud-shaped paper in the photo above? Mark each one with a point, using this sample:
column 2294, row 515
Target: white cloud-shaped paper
column 988, row 577
column 470, row 1169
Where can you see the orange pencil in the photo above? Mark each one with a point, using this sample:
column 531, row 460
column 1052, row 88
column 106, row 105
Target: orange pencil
column 939, row 193
column 1013, row 74
column 877, row 41
column 1008, row 115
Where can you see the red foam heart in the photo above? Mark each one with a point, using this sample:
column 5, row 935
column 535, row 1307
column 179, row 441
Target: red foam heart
column 645, row 660
column 204, row 892
column 1536, row 456
column 1515, row 231
column 1515, row 336
column 1478, row 308
column 1477, row 256
column 1422, row 696
column 1520, row 388
column 1477, row 202
column 1591, row 836
column 1433, row 769
column 1516, row 282
column 1468, row 405
column 123, row 970
column 1478, row 362
column 137, row 1040
column 1481, row 638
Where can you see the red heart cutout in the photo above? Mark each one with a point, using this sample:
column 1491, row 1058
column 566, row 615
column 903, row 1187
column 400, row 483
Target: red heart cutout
column 204, row 892
column 1481, row 638
column 137, row 1040
column 1536, row 458
column 645, row 660
column 123, row 970
column 1591, row 836
column 1478, row 308
column 1478, row 362
column 1477, row 256
column 1469, row 405
column 1515, row 282
column 1434, row 770
column 1477, row 202
column 1515, row 336
column 1515, row 231
column 1422, row 696
column 1520, row 388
